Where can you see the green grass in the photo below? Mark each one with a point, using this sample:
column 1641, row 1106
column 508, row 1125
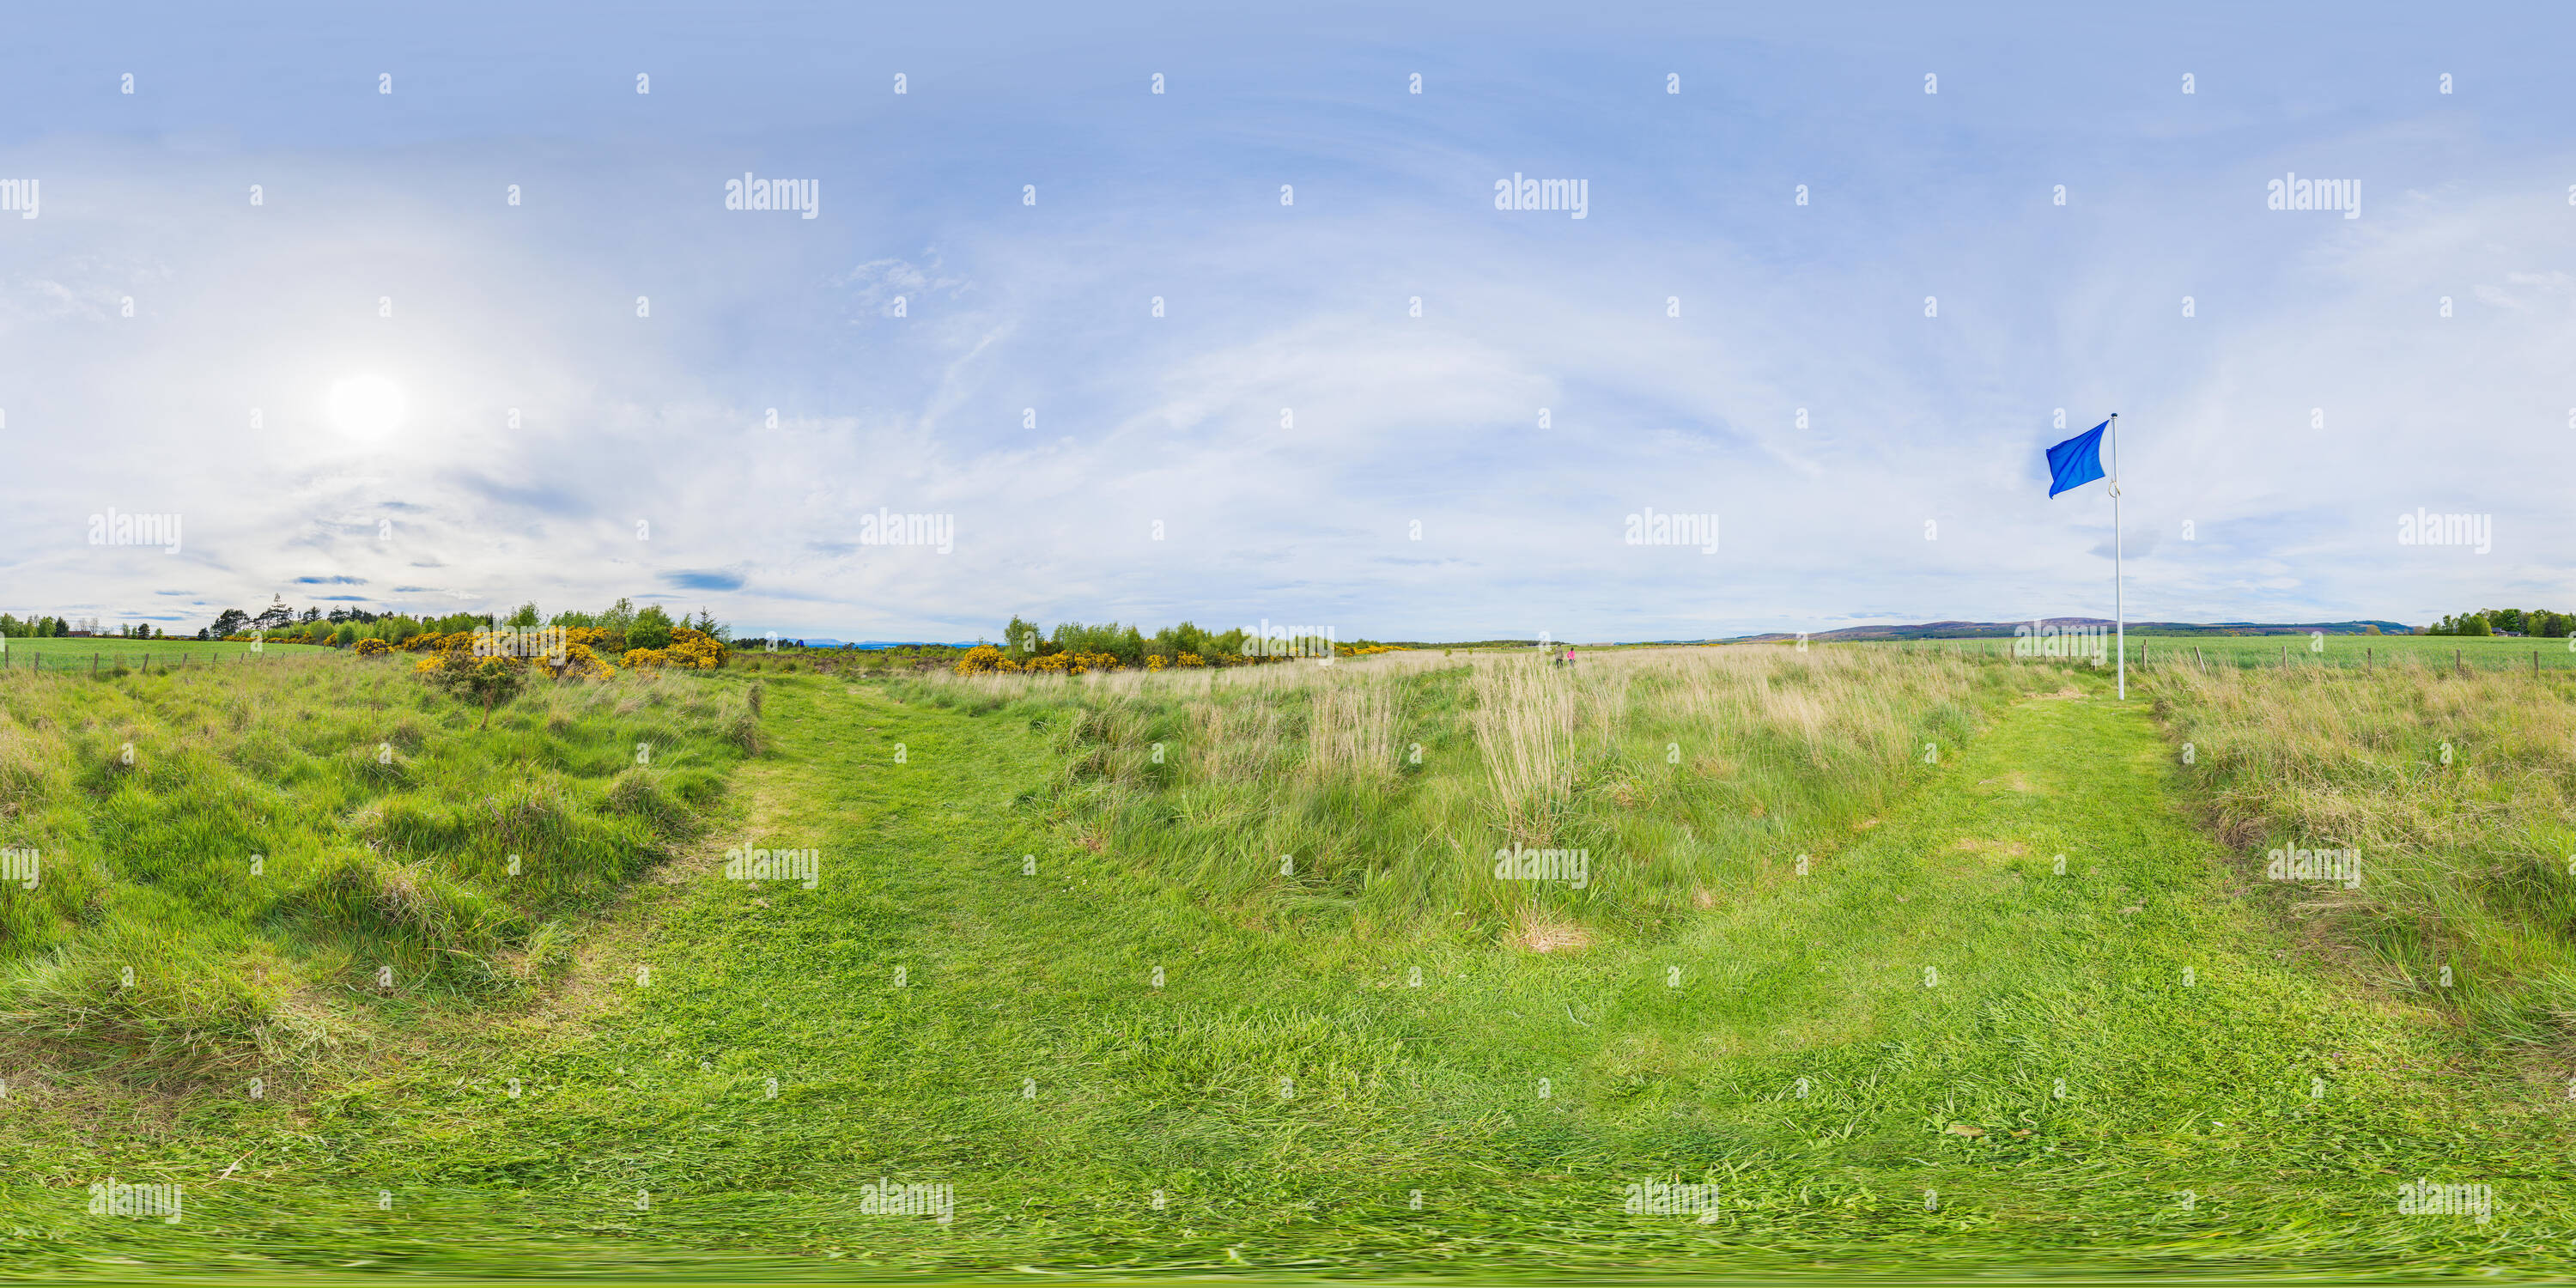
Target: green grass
column 230, row 859
column 1026, row 1058
column 75, row 654
column 1686, row 776
column 2457, row 793
column 2151, row 651
column 2486, row 653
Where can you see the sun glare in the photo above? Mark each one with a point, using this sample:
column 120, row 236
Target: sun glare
column 366, row 406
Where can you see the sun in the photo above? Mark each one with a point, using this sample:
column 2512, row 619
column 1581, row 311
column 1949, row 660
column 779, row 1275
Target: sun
column 366, row 406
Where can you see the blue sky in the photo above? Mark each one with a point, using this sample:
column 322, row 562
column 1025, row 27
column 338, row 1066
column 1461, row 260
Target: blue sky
column 2315, row 393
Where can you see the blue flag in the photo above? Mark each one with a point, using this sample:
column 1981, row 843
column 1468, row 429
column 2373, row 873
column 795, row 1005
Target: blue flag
column 2077, row 461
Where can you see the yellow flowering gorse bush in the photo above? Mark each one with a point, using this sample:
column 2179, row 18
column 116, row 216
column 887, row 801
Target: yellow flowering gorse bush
column 689, row 649
column 986, row 659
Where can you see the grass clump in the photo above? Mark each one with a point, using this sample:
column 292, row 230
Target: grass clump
column 231, row 863
column 2458, row 790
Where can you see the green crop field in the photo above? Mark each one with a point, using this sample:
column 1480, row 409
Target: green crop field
column 48, row 654
column 2479, row 652
column 2482, row 652
column 1687, row 961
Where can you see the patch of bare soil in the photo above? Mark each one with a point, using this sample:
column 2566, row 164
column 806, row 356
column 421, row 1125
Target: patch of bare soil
column 2008, row 849
column 1539, row 932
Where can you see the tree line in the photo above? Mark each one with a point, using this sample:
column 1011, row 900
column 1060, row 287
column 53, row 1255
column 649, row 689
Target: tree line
column 2538, row 622
column 1131, row 646
column 42, row 627
column 627, row 625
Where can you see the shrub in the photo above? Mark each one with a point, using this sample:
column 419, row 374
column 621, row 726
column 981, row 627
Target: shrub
column 984, row 659
column 638, row 792
column 652, row 630
column 692, row 649
column 577, row 662
column 489, row 680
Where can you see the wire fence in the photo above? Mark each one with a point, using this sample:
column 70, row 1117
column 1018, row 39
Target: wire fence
column 67, row 662
column 2540, row 655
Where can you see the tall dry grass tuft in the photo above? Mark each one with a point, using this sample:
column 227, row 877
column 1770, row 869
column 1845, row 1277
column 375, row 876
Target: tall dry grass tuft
column 1682, row 771
column 1234, row 742
column 2361, row 757
column 1524, row 721
column 1603, row 691
column 25, row 764
column 1839, row 702
column 1350, row 731
column 2459, row 791
column 1800, row 711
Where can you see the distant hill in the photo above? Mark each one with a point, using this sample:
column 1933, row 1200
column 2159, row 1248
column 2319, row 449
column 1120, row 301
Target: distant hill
column 1991, row 630
column 816, row 641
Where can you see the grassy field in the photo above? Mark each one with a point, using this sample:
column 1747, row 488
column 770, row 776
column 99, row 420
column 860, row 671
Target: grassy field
column 231, row 864
column 2484, row 654
column 2360, row 651
column 2456, row 795
column 75, row 654
column 1084, row 988
column 1371, row 798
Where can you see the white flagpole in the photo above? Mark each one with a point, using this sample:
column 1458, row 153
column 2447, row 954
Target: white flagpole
column 2119, row 607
